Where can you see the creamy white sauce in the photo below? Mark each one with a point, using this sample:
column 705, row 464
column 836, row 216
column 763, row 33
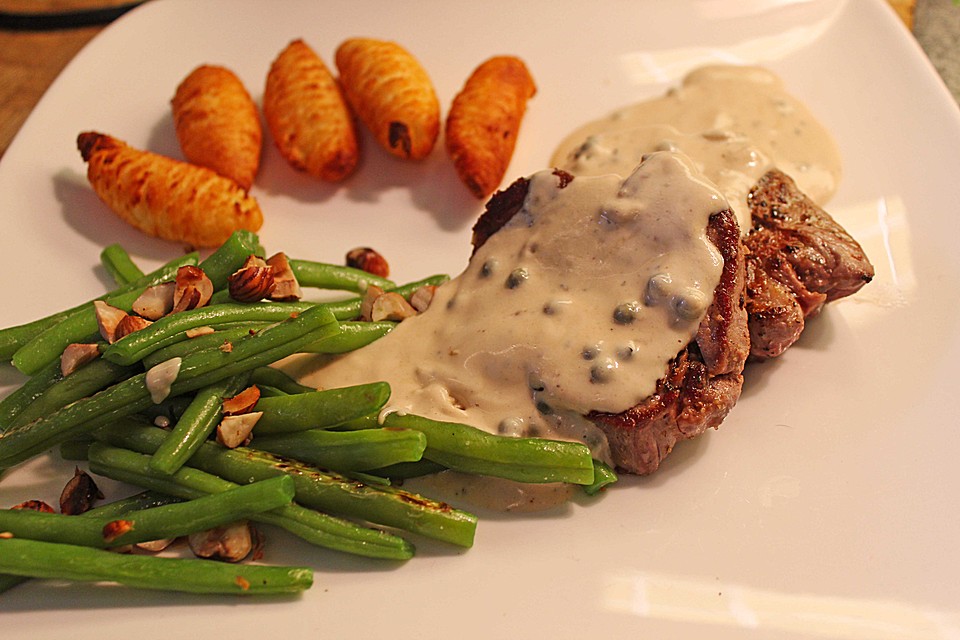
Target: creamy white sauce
column 735, row 122
column 160, row 377
column 576, row 304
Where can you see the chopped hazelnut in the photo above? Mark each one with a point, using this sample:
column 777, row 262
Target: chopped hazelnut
column 108, row 317
column 116, row 528
column 129, row 324
column 34, row 505
column 76, row 355
column 369, row 260
column 234, row 431
column 253, row 281
column 156, row 301
column 366, row 304
column 79, row 494
column 155, row 546
column 243, row 402
column 391, row 306
column 230, row 543
column 193, row 289
column 422, row 297
column 286, row 285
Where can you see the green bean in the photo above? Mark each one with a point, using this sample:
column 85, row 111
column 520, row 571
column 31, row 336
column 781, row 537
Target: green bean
column 228, row 333
column 32, row 558
column 314, row 527
column 320, row 275
column 273, row 377
column 352, row 336
column 117, row 262
column 39, row 348
column 407, row 290
column 142, row 500
column 31, row 351
column 468, row 449
column 21, row 397
column 170, row 329
column 603, row 476
column 136, row 502
column 318, row 409
column 347, row 450
column 13, row 338
column 320, row 489
column 168, row 521
column 270, row 392
column 196, row 424
column 74, row 450
column 132, row 395
column 407, row 470
column 83, row 382
column 349, row 309
column 230, row 256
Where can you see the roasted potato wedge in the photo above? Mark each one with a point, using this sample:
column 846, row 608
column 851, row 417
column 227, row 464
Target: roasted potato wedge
column 392, row 95
column 307, row 115
column 164, row 197
column 217, row 124
column 484, row 120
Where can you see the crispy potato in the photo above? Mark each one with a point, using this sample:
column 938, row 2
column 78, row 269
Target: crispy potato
column 164, row 197
column 484, row 120
column 307, row 115
column 217, row 123
column 392, row 95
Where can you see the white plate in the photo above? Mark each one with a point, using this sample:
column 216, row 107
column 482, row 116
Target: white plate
column 826, row 506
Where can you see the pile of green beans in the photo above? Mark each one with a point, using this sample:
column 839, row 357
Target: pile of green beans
column 320, row 464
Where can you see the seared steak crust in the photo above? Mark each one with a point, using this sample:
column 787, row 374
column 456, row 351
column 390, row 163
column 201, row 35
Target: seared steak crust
column 795, row 259
column 687, row 402
column 701, row 384
column 798, row 259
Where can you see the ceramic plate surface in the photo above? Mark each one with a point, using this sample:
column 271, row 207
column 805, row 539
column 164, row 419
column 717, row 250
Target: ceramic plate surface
column 824, row 507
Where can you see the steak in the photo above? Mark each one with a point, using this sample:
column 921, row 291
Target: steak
column 701, row 384
column 795, row 259
column 798, row 259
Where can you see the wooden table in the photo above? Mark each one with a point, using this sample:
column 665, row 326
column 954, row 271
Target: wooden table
column 31, row 60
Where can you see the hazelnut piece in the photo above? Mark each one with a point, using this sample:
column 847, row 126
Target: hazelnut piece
column 156, row 301
column 193, row 289
column 422, row 297
column 76, row 355
column 391, row 306
column 129, row 324
column 285, row 281
column 253, row 281
column 234, row 431
column 369, row 260
column 230, row 543
column 108, row 317
column 243, row 402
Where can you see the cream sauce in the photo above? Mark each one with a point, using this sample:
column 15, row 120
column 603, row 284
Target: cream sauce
column 577, row 303
column 161, row 377
column 735, row 122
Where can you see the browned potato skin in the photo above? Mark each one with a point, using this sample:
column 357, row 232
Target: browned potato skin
column 484, row 120
column 217, row 123
column 308, row 117
column 392, row 95
column 164, row 197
